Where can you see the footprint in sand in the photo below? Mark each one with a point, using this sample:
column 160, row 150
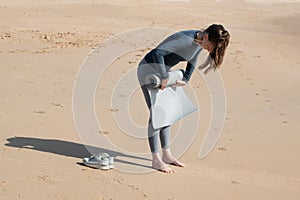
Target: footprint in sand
column 104, row 132
column 114, row 109
column 57, row 104
column 3, row 183
column 238, row 165
column 5, row 36
column 39, row 112
column 222, row 149
column 46, row 178
column 235, row 182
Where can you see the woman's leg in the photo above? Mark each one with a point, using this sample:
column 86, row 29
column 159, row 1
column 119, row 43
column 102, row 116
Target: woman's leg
column 165, row 137
column 165, row 144
column 153, row 139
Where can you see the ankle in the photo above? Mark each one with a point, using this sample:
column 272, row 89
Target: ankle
column 166, row 152
column 156, row 157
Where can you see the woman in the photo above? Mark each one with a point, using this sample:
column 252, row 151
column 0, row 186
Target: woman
column 181, row 46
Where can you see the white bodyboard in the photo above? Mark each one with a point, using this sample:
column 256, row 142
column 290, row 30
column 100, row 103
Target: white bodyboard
column 169, row 105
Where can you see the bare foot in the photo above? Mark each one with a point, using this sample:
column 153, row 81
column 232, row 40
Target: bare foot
column 173, row 161
column 161, row 166
column 169, row 159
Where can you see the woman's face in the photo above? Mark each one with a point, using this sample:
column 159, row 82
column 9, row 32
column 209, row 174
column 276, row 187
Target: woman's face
column 205, row 43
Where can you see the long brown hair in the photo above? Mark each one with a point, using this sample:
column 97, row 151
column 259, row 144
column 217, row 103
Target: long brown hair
column 220, row 38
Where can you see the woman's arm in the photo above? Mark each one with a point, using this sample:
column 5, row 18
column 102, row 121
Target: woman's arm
column 190, row 67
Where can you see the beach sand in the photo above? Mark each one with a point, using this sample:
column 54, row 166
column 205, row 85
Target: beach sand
column 42, row 46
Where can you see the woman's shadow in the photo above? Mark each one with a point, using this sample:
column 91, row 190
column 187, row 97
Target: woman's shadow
column 66, row 148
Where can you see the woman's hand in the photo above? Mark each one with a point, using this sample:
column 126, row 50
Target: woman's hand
column 179, row 83
column 164, row 83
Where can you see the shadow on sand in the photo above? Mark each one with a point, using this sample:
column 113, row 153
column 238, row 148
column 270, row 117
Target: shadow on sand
column 66, row 148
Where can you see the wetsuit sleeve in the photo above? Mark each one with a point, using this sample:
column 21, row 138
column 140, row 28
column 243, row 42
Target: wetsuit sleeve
column 190, row 67
column 158, row 61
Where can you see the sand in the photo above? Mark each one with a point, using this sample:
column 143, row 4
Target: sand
column 42, row 45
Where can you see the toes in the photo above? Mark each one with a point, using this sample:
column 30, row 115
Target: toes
column 167, row 170
column 162, row 167
column 177, row 164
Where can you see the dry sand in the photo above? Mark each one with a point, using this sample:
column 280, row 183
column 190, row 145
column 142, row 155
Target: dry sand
column 43, row 43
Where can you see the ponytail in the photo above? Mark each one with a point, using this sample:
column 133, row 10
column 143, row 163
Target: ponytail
column 220, row 38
